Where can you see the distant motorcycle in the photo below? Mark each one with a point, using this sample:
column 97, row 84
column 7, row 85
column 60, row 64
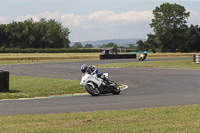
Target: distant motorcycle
column 95, row 85
column 142, row 57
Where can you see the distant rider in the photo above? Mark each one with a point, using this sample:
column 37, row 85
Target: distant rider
column 145, row 54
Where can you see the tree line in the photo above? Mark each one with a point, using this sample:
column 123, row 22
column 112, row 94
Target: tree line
column 30, row 34
column 171, row 32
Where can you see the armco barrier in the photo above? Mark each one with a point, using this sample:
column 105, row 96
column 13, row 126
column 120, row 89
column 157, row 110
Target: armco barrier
column 117, row 56
column 196, row 58
column 4, row 81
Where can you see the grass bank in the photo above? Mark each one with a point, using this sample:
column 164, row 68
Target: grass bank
column 179, row 64
column 46, row 56
column 169, row 55
column 11, row 62
column 28, row 87
column 21, row 58
column 166, row 120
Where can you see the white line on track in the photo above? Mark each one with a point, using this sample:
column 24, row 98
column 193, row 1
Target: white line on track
column 125, row 87
column 76, row 94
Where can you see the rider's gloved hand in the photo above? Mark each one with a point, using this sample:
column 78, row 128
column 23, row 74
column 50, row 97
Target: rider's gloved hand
column 103, row 77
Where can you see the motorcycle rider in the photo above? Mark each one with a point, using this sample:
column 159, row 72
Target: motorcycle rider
column 145, row 54
column 91, row 70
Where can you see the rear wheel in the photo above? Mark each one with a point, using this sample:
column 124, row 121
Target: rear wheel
column 115, row 89
column 94, row 91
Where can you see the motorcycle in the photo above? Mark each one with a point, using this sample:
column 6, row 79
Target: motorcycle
column 142, row 57
column 95, row 85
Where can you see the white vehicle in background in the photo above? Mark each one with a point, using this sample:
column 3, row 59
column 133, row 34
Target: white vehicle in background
column 143, row 56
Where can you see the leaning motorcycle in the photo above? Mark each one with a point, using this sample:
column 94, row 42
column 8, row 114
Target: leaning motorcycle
column 95, row 85
column 142, row 57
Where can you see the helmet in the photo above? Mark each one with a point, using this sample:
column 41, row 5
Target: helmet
column 145, row 52
column 83, row 68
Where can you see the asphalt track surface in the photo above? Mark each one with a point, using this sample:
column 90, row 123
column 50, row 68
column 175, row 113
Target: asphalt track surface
column 147, row 88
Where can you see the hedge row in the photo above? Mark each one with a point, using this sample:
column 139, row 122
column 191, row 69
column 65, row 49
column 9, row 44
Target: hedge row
column 55, row 50
column 48, row 50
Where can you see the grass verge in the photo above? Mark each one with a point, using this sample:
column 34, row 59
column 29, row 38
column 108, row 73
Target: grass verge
column 10, row 62
column 169, row 55
column 28, row 87
column 168, row 119
column 21, row 58
column 179, row 64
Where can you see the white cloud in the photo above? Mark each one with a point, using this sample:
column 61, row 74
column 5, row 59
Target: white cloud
column 102, row 24
column 3, row 19
column 104, row 16
column 47, row 15
column 70, row 19
column 194, row 17
column 132, row 16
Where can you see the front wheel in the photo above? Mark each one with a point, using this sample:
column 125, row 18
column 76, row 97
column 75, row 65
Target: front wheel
column 92, row 90
column 115, row 89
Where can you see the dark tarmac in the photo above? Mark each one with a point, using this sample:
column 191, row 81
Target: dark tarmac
column 147, row 88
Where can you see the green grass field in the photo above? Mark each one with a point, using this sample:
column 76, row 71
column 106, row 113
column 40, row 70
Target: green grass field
column 28, row 87
column 179, row 64
column 21, row 58
column 180, row 119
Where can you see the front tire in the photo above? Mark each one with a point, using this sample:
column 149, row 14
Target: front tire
column 94, row 91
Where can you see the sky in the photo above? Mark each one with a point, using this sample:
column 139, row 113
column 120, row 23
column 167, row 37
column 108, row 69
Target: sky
column 92, row 20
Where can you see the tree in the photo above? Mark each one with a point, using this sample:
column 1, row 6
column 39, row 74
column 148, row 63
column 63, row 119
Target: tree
column 169, row 25
column 88, row 46
column 27, row 34
column 111, row 44
column 30, row 34
column 192, row 44
column 152, row 42
column 3, row 36
column 12, row 31
column 51, row 34
column 78, row 45
column 131, row 46
column 141, row 45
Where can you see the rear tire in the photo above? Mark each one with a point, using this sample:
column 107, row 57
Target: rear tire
column 91, row 90
column 115, row 89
